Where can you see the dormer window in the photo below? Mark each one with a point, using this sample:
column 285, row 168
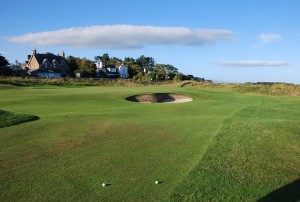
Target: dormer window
column 54, row 64
column 45, row 64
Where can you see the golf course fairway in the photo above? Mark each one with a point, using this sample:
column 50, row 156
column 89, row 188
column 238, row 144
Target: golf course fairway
column 220, row 146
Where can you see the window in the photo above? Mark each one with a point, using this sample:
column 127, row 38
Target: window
column 54, row 64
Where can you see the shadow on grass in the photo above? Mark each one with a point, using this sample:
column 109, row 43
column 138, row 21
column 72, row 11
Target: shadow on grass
column 10, row 118
column 287, row 193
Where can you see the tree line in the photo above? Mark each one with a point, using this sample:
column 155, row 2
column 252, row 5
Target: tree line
column 140, row 68
column 7, row 69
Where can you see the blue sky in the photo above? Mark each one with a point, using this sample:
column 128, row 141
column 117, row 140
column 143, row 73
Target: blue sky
column 221, row 40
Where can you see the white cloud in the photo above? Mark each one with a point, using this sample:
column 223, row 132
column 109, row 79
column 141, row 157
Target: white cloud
column 124, row 36
column 254, row 63
column 268, row 38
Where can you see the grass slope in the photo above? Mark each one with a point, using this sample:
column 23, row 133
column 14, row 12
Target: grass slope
column 254, row 156
column 91, row 135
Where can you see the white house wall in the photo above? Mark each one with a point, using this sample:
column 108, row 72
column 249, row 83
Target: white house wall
column 123, row 71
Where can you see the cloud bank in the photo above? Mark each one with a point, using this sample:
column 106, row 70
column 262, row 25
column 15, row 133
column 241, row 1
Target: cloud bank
column 254, row 63
column 268, row 38
column 124, row 36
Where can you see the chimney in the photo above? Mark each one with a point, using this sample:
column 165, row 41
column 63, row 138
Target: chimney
column 62, row 54
column 34, row 51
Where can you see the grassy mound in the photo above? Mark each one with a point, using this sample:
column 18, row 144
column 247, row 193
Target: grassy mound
column 255, row 153
column 11, row 118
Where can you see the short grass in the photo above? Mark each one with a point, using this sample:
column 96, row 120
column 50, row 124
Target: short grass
column 86, row 136
column 255, row 153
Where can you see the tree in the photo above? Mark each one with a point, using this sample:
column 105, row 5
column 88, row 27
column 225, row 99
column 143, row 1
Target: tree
column 160, row 71
column 137, row 67
column 133, row 70
column 189, row 77
column 3, row 61
column 4, row 68
column 17, row 70
column 170, row 68
column 178, row 77
column 171, row 71
column 129, row 61
column 114, row 61
column 86, row 68
column 165, row 72
column 73, row 64
column 104, row 58
column 133, row 67
column 141, row 61
column 151, row 76
column 146, row 62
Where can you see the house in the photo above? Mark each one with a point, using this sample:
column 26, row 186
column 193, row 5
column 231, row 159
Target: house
column 123, row 71
column 47, row 65
column 112, row 71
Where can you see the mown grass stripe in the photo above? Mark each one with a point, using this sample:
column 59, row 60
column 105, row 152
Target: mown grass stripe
column 255, row 153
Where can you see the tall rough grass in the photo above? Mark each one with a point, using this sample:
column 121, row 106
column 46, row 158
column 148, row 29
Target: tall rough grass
column 279, row 89
column 67, row 82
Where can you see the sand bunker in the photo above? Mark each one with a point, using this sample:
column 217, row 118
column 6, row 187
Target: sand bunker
column 159, row 98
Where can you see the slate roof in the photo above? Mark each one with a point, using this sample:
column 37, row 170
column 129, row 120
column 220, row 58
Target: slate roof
column 50, row 57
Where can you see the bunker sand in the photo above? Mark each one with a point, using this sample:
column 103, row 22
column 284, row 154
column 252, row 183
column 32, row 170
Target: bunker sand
column 160, row 98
